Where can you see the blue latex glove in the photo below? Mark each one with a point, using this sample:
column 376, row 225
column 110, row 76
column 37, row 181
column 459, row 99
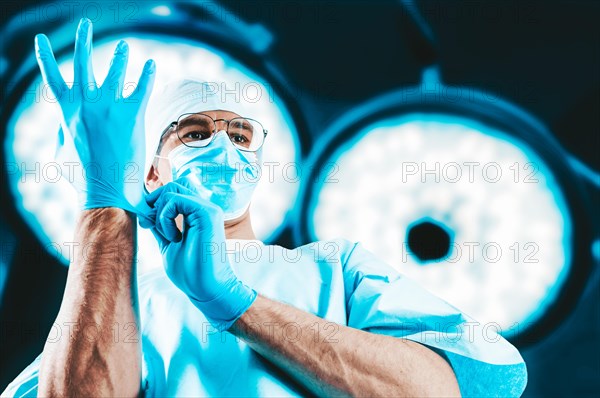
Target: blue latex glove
column 196, row 261
column 102, row 134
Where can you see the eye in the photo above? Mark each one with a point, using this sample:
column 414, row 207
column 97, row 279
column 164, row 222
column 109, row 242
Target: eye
column 196, row 135
column 239, row 139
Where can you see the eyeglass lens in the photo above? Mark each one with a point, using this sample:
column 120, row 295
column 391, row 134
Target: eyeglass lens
column 197, row 130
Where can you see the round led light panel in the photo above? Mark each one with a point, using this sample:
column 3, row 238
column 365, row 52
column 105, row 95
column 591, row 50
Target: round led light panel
column 472, row 214
column 48, row 203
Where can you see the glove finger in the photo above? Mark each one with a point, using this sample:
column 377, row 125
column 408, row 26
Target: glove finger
column 162, row 242
column 48, row 66
column 142, row 92
column 82, row 62
column 148, row 220
column 153, row 196
column 118, row 66
column 194, row 211
column 173, row 186
column 187, row 186
column 158, row 207
column 168, row 213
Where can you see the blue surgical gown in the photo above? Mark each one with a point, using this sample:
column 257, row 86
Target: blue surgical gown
column 337, row 280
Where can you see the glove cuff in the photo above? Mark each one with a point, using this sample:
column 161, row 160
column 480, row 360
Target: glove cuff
column 228, row 307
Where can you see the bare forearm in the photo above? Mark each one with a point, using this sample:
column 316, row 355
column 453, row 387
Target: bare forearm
column 94, row 346
column 331, row 359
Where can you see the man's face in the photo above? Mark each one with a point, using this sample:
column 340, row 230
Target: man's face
column 160, row 172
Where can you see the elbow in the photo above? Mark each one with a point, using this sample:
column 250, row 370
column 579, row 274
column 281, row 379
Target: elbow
column 442, row 384
column 433, row 390
column 447, row 388
column 437, row 380
column 434, row 386
column 447, row 385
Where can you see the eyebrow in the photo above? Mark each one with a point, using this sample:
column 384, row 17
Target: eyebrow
column 191, row 121
column 247, row 126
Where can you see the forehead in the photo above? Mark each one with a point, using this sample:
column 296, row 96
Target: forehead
column 220, row 114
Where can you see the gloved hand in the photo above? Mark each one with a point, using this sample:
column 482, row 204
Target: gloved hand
column 102, row 134
column 196, row 261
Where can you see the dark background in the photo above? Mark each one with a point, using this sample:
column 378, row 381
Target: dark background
column 543, row 56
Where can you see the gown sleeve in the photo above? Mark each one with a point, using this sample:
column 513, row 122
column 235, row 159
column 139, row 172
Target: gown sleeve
column 381, row 300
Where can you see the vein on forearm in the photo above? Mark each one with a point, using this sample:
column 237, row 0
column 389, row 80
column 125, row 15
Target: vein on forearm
column 350, row 362
column 100, row 294
column 104, row 256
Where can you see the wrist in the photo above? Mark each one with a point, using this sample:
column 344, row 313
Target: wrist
column 249, row 318
column 107, row 238
column 105, row 195
column 225, row 309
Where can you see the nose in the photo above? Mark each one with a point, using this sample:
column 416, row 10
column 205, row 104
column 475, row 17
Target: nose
column 221, row 125
column 221, row 138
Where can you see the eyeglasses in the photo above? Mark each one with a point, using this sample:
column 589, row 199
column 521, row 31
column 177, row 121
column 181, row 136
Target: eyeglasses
column 198, row 130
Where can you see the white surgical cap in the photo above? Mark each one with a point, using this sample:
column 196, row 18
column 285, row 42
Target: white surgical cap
column 187, row 96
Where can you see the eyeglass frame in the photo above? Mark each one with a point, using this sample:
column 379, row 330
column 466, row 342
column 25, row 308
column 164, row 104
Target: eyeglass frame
column 212, row 136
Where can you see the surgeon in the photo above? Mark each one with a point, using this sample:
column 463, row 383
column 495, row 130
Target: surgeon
column 327, row 318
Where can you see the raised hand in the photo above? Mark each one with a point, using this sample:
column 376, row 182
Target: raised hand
column 102, row 134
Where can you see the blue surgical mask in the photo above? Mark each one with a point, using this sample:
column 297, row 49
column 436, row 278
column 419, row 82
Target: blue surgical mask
column 219, row 172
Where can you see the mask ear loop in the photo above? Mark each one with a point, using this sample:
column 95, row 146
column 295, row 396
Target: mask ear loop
column 169, row 127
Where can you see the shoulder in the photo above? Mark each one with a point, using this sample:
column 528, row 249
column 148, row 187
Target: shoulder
column 353, row 256
column 359, row 263
column 337, row 250
column 356, row 263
